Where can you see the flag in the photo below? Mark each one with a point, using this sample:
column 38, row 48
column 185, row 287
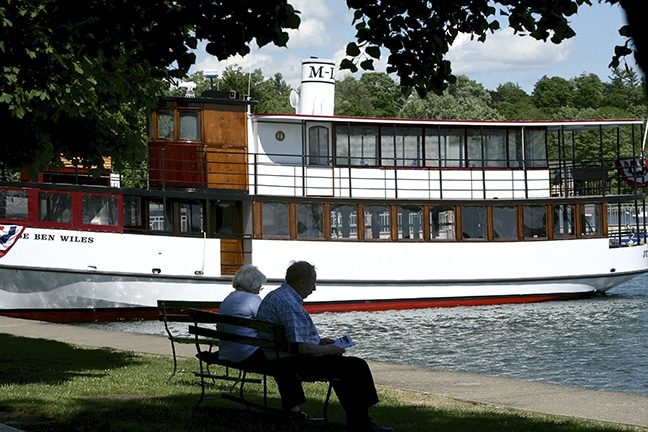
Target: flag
column 9, row 235
column 634, row 171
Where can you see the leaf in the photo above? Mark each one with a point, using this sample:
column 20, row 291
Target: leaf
column 352, row 50
column 348, row 65
column 367, row 64
column 373, row 51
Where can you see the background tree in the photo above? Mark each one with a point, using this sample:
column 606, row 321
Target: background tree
column 550, row 94
column 513, row 103
column 465, row 99
column 384, row 93
column 352, row 98
column 275, row 96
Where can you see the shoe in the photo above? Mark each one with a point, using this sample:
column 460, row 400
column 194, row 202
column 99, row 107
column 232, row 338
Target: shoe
column 375, row 427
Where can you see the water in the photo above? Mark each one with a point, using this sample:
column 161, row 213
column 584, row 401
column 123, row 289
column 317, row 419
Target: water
column 599, row 343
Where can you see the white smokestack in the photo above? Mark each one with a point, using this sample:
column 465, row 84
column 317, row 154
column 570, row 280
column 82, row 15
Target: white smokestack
column 317, row 88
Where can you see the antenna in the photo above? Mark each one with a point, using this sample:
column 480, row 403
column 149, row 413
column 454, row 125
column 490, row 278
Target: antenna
column 249, row 96
column 211, row 74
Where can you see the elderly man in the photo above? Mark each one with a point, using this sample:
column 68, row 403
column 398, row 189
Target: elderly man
column 354, row 385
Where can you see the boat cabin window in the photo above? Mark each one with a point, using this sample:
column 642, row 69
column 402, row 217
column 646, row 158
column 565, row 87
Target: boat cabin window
column 591, row 219
column 476, row 147
column 535, row 148
column 318, row 145
column 535, row 222
column 410, row 222
column 191, row 216
column 377, row 222
column 157, row 217
column 344, row 222
column 405, row 222
column 505, row 223
column 14, row 205
column 400, row 146
column 189, row 125
column 444, row 147
column 309, row 221
column 225, row 217
column 487, row 148
column 166, row 125
column 54, row 207
column 356, row 145
column 100, row 210
column 133, row 212
column 473, row 222
column 442, row 223
column 563, row 221
column 275, row 220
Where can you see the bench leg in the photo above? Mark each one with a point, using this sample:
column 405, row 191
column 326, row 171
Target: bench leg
column 326, row 404
column 202, row 385
column 175, row 363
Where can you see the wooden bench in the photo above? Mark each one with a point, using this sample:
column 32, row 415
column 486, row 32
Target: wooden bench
column 177, row 311
column 270, row 336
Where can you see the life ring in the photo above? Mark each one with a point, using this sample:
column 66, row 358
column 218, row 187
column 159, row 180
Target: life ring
column 634, row 171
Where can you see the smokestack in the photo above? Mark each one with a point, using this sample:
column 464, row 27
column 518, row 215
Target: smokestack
column 317, row 88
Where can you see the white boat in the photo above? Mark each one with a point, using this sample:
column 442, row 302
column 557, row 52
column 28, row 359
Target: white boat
column 394, row 213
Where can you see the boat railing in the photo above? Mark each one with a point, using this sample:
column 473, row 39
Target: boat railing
column 298, row 175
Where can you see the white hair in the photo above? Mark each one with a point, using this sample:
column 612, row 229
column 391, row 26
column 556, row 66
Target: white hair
column 249, row 278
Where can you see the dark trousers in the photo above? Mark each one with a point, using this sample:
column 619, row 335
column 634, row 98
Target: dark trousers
column 353, row 382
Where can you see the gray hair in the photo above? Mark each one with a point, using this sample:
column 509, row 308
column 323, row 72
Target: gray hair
column 249, row 278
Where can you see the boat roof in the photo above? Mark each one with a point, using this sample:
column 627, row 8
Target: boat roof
column 551, row 125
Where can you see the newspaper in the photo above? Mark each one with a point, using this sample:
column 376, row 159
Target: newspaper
column 344, row 342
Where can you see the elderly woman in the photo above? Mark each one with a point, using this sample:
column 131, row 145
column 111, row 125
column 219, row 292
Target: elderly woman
column 242, row 302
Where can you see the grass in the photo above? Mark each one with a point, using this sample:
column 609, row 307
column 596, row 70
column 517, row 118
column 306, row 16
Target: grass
column 48, row 386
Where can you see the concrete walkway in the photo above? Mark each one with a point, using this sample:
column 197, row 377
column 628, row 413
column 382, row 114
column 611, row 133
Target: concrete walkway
column 614, row 407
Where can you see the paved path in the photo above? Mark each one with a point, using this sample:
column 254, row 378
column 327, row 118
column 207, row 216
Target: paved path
column 615, row 407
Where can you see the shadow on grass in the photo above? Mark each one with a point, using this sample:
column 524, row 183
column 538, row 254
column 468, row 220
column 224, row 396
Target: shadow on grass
column 27, row 363
column 175, row 414
column 24, row 361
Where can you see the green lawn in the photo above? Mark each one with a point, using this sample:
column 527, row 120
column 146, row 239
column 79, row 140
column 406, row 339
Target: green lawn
column 48, row 386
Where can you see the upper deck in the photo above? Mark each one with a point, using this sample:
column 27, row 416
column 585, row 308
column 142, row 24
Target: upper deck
column 214, row 145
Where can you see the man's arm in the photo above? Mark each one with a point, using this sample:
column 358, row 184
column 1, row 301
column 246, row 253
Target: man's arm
column 308, row 348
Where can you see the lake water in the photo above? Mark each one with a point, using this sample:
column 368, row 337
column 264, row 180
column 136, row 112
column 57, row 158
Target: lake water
column 599, row 343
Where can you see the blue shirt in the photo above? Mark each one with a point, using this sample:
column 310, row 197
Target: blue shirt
column 285, row 306
column 241, row 304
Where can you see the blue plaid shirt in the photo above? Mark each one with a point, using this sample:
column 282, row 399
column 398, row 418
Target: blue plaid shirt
column 284, row 306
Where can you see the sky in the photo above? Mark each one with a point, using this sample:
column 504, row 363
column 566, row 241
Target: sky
column 326, row 28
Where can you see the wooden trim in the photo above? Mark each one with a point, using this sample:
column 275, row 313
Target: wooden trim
column 257, row 220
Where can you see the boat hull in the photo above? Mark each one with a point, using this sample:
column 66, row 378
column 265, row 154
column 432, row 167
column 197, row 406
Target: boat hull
column 350, row 279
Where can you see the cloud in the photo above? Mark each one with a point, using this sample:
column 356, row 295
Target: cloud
column 505, row 51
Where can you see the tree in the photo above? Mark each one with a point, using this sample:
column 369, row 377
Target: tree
column 465, row 99
column 79, row 76
column 513, row 103
column 275, row 96
column 352, row 98
column 418, row 34
column 553, row 93
column 385, row 95
column 588, row 91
